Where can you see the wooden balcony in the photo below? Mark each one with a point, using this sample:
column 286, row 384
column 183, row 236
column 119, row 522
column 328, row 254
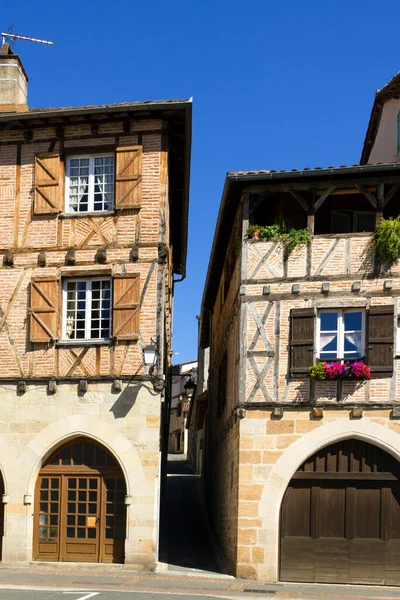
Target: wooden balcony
column 328, row 257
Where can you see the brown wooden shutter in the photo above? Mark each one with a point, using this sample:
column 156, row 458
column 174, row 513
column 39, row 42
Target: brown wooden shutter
column 43, row 309
column 128, row 177
column 380, row 340
column 126, row 306
column 48, row 177
column 302, row 325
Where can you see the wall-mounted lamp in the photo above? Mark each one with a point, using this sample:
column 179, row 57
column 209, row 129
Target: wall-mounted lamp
column 189, row 386
column 150, row 360
column 149, row 355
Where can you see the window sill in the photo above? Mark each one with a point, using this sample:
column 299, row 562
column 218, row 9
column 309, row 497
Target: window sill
column 68, row 343
column 86, row 215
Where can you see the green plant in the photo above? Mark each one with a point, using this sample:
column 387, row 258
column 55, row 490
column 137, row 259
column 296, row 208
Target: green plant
column 290, row 237
column 252, row 228
column 318, row 372
column 387, row 241
column 295, row 237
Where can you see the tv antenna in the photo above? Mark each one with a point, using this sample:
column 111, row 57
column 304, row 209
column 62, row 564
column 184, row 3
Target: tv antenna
column 13, row 37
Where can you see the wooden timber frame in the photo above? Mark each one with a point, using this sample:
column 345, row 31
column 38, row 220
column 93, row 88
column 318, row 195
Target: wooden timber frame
column 94, row 244
column 306, row 195
column 254, row 188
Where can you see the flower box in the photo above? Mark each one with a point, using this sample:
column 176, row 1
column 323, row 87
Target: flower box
column 356, row 370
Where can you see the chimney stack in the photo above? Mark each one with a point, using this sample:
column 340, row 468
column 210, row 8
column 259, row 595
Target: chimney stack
column 13, row 82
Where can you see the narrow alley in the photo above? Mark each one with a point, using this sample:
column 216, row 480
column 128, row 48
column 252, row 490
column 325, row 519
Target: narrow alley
column 185, row 540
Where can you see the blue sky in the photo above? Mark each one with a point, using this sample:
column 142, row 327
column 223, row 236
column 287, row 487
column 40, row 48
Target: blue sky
column 275, row 85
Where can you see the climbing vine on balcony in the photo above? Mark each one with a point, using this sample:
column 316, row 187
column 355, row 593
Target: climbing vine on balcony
column 290, row 237
column 386, row 242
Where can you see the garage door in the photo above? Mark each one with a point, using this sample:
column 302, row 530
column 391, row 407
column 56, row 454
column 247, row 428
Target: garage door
column 340, row 517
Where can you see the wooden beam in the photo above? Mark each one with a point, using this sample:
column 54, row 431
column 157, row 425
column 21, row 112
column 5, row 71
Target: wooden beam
column 17, row 195
column 299, row 199
column 391, row 193
column 324, row 196
column 371, row 199
column 380, row 196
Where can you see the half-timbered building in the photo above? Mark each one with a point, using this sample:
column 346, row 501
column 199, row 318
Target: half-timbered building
column 93, row 227
column 302, row 469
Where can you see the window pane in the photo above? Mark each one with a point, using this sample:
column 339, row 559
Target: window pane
column 365, row 222
column 352, row 321
column 328, row 345
column 341, row 221
column 352, row 344
column 103, row 183
column 329, row 321
column 78, row 173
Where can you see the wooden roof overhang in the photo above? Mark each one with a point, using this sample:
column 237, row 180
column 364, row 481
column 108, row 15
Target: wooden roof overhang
column 297, row 183
column 177, row 118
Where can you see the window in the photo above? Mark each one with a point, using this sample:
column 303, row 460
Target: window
column 90, row 183
column 348, row 221
column 87, row 309
column 341, row 334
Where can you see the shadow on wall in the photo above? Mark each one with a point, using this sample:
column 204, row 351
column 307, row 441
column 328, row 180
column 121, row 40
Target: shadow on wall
column 125, row 401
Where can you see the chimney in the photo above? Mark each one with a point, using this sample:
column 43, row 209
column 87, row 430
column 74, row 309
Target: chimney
column 13, row 82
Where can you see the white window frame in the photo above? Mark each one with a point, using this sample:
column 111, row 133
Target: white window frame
column 340, row 332
column 398, row 337
column 91, row 158
column 87, row 339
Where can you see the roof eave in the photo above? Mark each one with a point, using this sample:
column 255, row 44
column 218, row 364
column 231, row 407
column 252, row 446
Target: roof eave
column 102, row 108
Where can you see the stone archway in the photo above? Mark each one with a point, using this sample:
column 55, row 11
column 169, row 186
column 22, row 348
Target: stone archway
column 290, row 461
column 79, row 507
column 340, row 517
column 58, row 433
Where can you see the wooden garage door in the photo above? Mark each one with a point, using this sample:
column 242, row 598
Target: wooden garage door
column 340, row 517
column 80, row 512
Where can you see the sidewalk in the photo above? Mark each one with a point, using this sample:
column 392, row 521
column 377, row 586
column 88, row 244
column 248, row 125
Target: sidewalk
column 119, row 578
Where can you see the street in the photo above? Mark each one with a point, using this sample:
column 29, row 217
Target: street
column 80, row 595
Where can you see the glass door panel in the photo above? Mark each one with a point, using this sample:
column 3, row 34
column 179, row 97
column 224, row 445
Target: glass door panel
column 81, row 519
column 114, row 529
column 47, row 516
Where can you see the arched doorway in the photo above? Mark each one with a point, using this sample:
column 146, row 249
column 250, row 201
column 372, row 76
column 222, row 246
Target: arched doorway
column 340, row 517
column 79, row 511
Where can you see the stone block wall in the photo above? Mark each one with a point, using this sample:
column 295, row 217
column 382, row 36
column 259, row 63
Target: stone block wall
column 34, row 424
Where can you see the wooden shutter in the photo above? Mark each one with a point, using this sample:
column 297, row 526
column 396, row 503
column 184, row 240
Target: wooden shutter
column 126, row 306
column 302, row 325
column 128, row 177
column 380, row 340
column 48, row 177
column 43, row 309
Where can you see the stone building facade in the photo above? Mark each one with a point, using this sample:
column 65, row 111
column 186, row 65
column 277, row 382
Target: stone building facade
column 302, row 475
column 93, row 226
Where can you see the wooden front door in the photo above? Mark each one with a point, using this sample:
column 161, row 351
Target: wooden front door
column 340, row 518
column 80, row 513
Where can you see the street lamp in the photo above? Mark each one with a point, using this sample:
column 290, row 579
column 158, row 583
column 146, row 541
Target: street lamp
column 149, row 360
column 149, row 355
column 189, row 388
